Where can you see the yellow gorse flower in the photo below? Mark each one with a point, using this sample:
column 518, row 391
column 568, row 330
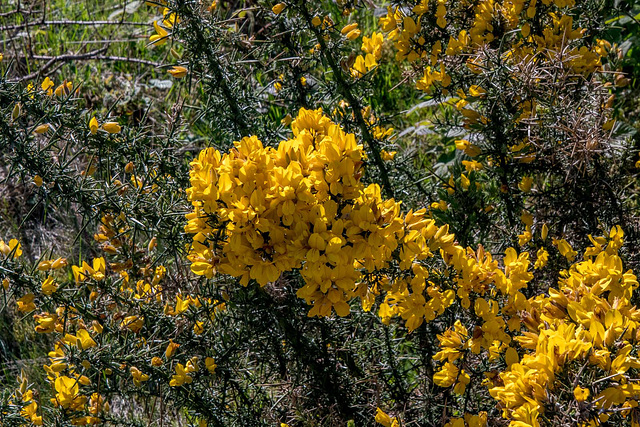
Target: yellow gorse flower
column 13, row 249
column 112, row 127
column 181, row 376
column 67, row 393
column 280, row 206
column 210, row 364
column 278, row 8
column 161, row 35
column 84, row 339
column 93, row 125
column 178, row 71
column 47, row 86
column 171, row 349
column 133, row 323
column 581, row 394
column 384, row 419
column 138, row 376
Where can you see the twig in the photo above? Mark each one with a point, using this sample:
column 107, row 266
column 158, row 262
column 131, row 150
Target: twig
column 13, row 12
column 94, row 55
column 125, row 59
column 105, row 58
column 53, row 59
column 354, row 103
column 136, row 39
column 67, row 22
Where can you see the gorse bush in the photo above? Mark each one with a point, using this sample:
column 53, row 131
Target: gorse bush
column 342, row 213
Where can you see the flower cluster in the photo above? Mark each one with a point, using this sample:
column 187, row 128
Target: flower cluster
column 262, row 211
column 545, row 29
column 585, row 331
column 477, row 294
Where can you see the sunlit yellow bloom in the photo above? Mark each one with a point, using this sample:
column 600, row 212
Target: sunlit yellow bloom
column 178, row 71
column 67, row 390
column 353, row 34
column 42, row 128
column 565, row 249
column 385, row 419
column 26, row 304
column 348, row 28
column 46, row 322
column 85, row 340
column 93, row 125
column 581, row 394
column 133, row 323
column 446, row 376
column 542, row 258
column 171, row 349
column 181, row 377
column 210, row 364
column 30, row 411
column 49, row 286
column 112, row 127
column 47, row 86
column 138, row 376
column 464, row 182
column 14, row 248
column 161, row 35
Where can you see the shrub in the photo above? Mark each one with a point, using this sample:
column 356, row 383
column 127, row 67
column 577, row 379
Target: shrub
column 422, row 213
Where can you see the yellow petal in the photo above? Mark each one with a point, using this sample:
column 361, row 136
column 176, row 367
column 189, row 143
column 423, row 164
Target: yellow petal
column 93, row 126
column 178, row 71
column 112, row 127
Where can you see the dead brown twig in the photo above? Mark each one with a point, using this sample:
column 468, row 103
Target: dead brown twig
column 67, row 22
column 94, row 55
